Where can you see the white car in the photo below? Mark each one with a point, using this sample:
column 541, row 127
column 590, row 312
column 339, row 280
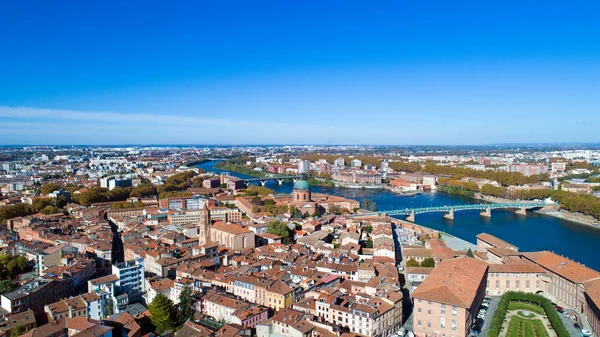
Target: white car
column 585, row 332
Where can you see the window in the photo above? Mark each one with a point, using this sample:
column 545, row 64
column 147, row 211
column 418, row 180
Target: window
column 442, row 322
column 429, row 324
column 429, row 302
column 419, row 323
column 497, row 284
column 429, row 312
column 527, row 284
column 453, row 325
column 419, row 309
column 507, row 284
column 517, row 282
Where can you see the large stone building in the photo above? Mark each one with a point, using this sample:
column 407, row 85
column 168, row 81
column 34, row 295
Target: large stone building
column 446, row 303
column 232, row 236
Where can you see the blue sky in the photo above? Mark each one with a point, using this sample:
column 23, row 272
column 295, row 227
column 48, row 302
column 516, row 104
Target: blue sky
column 280, row 72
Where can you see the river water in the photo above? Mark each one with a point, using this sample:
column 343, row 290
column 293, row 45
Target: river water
column 530, row 233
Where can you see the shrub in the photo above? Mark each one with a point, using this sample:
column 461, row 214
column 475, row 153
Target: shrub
column 543, row 302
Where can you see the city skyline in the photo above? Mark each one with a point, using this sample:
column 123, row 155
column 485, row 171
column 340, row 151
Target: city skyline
column 399, row 74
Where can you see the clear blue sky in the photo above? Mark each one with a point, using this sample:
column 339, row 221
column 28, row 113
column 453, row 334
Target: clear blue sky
column 328, row 72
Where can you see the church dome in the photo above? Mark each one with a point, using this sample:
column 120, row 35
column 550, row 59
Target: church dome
column 301, row 185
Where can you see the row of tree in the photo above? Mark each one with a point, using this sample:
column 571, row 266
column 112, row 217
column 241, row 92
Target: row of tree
column 427, row 262
column 504, row 178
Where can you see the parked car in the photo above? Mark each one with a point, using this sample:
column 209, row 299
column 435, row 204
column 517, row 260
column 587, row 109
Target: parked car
column 409, row 334
column 577, row 326
column 559, row 308
column 479, row 322
column 586, row 333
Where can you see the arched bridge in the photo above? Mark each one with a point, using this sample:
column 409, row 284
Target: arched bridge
column 279, row 179
column 448, row 210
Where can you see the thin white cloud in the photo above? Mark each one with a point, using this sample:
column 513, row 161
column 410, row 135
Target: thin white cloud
column 27, row 125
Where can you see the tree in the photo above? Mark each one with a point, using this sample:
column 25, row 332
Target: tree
column 367, row 229
column 50, row 210
column 412, row 263
column 39, row 204
column 162, row 313
column 49, row 188
column 281, row 229
column 18, row 331
column 428, row 262
column 6, row 286
column 470, row 253
column 369, row 243
column 185, row 311
column 368, row 204
column 143, row 190
column 317, row 212
column 118, row 194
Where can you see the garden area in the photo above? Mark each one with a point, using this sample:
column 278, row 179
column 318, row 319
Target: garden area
column 526, row 315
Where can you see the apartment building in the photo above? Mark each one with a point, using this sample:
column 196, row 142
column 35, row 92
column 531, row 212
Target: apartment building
column 222, row 307
column 85, row 305
column 130, row 281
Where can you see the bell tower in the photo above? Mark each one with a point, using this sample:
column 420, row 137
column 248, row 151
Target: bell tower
column 204, row 225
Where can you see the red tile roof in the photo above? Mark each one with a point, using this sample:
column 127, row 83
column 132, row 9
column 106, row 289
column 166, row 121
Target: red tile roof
column 562, row 266
column 453, row 282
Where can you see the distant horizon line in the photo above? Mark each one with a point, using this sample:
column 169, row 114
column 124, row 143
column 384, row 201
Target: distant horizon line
column 297, row 145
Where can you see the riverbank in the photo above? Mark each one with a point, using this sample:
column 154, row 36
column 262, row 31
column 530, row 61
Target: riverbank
column 573, row 217
column 556, row 212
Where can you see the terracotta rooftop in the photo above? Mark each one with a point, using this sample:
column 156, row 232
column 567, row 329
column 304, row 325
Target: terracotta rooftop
column 453, row 282
column 562, row 266
column 496, row 242
column 230, row 228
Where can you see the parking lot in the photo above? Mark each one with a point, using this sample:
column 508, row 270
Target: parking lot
column 573, row 331
column 490, row 313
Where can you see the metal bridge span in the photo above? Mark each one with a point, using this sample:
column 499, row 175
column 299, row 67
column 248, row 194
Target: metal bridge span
column 448, row 210
column 280, row 179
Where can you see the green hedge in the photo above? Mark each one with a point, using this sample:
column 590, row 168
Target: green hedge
column 551, row 313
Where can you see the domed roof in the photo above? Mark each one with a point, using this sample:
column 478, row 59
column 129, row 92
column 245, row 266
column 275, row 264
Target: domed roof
column 302, row 185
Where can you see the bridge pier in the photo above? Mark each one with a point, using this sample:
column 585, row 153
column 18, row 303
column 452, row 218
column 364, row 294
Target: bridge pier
column 486, row 212
column 449, row 214
column 521, row 211
column 410, row 217
column 280, row 181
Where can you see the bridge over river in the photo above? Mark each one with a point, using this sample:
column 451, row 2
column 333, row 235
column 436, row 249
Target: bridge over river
column 448, row 210
column 280, row 179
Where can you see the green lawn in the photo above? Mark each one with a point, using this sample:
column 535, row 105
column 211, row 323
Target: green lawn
column 522, row 327
column 514, row 305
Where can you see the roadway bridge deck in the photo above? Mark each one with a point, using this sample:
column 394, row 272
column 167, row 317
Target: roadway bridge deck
column 448, row 210
column 279, row 179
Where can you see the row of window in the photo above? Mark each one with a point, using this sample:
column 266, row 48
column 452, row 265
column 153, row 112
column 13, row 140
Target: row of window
column 442, row 324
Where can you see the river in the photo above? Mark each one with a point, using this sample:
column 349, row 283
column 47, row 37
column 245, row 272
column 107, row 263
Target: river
column 530, row 233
